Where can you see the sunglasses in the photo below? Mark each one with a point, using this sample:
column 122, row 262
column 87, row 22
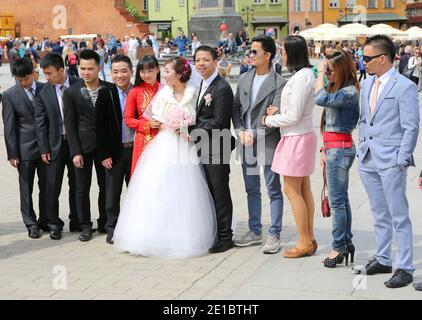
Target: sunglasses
column 368, row 59
column 254, row 52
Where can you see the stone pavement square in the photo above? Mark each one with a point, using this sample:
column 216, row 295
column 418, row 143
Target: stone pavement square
column 69, row 269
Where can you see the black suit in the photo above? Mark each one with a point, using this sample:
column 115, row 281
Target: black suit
column 51, row 139
column 21, row 143
column 215, row 155
column 79, row 120
column 110, row 145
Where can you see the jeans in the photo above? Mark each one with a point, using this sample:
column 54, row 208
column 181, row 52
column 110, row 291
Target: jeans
column 181, row 53
column 103, row 72
column 339, row 162
column 253, row 189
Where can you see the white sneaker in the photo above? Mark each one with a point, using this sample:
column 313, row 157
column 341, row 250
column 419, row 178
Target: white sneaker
column 272, row 246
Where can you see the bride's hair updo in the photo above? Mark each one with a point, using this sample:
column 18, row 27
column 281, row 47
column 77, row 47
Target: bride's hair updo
column 182, row 68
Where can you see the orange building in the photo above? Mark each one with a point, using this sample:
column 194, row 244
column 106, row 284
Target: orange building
column 372, row 12
column 304, row 14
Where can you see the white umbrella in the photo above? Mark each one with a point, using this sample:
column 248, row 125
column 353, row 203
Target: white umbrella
column 335, row 37
column 385, row 29
column 319, row 31
column 414, row 33
column 355, row 29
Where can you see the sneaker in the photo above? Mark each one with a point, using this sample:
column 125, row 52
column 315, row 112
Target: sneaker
column 272, row 245
column 249, row 239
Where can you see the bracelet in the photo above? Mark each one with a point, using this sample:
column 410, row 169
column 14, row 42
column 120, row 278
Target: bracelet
column 264, row 120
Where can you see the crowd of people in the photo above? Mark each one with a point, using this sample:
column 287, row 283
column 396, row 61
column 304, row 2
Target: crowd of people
column 171, row 144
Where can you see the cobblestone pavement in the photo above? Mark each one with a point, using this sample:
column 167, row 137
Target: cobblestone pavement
column 69, row 269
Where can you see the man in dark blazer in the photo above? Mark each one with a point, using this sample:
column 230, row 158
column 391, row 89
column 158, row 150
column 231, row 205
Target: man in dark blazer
column 53, row 144
column 114, row 138
column 214, row 140
column 258, row 89
column 79, row 119
column 21, row 142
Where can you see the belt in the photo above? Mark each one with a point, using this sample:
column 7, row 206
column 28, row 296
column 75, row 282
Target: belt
column 127, row 145
column 337, row 144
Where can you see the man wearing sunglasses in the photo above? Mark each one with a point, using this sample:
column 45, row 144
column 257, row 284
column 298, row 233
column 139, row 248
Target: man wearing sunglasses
column 388, row 132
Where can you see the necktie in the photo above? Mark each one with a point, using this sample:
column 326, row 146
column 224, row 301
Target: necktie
column 126, row 132
column 31, row 96
column 62, row 89
column 374, row 96
column 204, row 88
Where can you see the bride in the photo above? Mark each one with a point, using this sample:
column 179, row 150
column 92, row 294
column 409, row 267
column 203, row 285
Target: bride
column 168, row 211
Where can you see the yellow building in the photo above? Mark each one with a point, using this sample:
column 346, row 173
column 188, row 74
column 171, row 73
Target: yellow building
column 7, row 25
column 371, row 12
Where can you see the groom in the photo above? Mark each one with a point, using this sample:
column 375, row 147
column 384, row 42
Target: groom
column 214, row 140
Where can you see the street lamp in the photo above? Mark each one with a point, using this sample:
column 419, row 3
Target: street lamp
column 248, row 11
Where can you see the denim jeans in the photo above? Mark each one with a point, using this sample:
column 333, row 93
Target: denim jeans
column 339, row 162
column 253, row 189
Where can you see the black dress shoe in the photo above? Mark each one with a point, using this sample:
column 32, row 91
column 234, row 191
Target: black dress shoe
column 86, row 235
column 222, row 246
column 34, row 233
column 102, row 230
column 418, row 286
column 109, row 238
column 44, row 227
column 374, row 267
column 400, row 279
column 55, row 234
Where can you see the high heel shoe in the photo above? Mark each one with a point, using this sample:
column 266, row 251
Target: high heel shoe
column 351, row 250
column 332, row 263
column 315, row 244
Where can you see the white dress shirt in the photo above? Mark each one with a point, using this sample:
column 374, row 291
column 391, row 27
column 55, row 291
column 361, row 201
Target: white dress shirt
column 57, row 87
column 30, row 95
column 206, row 84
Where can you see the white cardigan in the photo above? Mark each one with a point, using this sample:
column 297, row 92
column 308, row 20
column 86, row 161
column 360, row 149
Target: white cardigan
column 297, row 105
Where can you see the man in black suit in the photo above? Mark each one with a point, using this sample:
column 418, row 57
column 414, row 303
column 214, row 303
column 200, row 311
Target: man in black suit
column 21, row 142
column 53, row 144
column 214, row 140
column 114, row 138
column 79, row 120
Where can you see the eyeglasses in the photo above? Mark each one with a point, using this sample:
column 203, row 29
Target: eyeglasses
column 368, row 59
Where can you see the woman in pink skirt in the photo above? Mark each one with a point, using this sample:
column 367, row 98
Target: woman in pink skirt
column 295, row 155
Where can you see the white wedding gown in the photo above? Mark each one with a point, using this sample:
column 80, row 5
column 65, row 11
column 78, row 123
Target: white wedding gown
column 168, row 211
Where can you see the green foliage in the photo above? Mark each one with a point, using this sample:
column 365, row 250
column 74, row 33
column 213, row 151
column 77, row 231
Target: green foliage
column 133, row 10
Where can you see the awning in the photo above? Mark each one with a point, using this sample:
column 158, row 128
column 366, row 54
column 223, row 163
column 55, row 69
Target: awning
column 269, row 20
column 373, row 17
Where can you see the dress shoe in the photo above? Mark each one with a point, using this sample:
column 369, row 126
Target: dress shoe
column 294, row 253
column 400, row 279
column 34, row 233
column 109, row 238
column 418, row 286
column 374, row 267
column 222, row 246
column 44, row 227
column 55, row 234
column 86, row 235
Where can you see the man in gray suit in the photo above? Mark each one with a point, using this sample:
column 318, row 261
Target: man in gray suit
column 258, row 89
column 389, row 128
column 21, row 143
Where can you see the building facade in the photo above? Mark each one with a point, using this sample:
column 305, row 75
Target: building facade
column 304, row 14
column 391, row 12
column 414, row 12
column 259, row 16
column 52, row 18
column 167, row 17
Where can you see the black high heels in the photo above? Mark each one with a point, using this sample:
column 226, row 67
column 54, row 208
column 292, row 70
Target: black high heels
column 339, row 259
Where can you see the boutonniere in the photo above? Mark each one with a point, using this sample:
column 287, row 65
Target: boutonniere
column 208, row 99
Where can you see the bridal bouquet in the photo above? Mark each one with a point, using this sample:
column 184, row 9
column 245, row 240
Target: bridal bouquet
column 179, row 119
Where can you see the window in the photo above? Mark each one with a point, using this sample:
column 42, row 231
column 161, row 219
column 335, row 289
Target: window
column 388, row 4
column 297, row 5
column 157, row 5
column 228, row 3
column 350, row 3
column 372, row 4
column 209, row 3
column 145, row 5
column 274, row 1
column 181, row 3
column 314, row 6
column 257, row 1
column 333, row 4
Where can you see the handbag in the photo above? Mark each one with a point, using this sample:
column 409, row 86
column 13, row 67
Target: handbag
column 325, row 204
column 408, row 73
